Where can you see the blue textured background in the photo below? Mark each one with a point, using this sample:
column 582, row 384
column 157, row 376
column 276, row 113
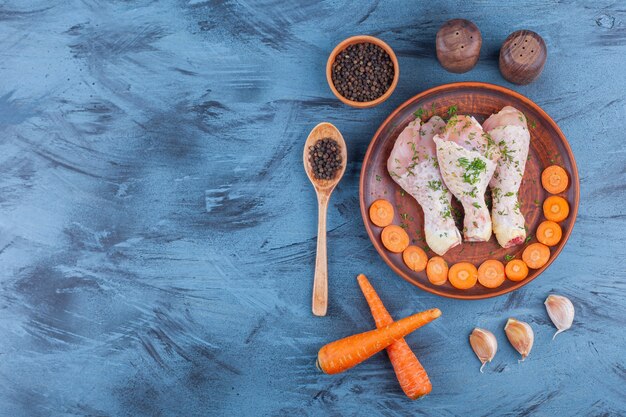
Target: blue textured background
column 157, row 231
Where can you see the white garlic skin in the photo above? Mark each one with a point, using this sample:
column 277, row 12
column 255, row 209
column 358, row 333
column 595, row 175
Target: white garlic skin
column 484, row 344
column 521, row 336
column 561, row 312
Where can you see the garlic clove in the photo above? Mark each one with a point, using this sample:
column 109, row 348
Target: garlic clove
column 561, row 312
column 484, row 344
column 521, row 336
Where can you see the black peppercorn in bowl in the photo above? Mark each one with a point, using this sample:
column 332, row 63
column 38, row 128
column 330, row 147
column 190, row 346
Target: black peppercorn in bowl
column 362, row 71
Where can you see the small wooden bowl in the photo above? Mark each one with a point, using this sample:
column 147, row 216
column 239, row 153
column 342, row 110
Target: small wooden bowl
column 356, row 40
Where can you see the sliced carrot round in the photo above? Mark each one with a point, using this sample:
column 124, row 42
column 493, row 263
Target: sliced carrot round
column 516, row 270
column 395, row 238
column 437, row 270
column 415, row 258
column 555, row 208
column 536, row 255
column 554, row 179
column 381, row 213
column 491, row 273
column 463, row 275
column 549, row 233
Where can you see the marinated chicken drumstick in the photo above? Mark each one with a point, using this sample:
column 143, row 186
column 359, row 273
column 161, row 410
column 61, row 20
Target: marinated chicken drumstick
column 467, row 159
column 413, row 165
column 509, row 131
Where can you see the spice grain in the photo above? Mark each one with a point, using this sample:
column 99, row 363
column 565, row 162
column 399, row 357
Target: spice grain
column 363, row 72
column 325, row 158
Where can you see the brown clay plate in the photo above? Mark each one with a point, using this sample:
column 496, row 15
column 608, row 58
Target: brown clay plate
column 548, row 146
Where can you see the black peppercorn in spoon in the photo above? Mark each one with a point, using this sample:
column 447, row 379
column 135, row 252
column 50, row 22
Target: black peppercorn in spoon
column 323, row 189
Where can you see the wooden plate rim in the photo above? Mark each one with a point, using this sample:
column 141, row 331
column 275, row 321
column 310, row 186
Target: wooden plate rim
column 477, row 85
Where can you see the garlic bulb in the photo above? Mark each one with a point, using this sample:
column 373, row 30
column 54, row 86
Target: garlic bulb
column 484, row 344
column 521, row 336
column 561, row 312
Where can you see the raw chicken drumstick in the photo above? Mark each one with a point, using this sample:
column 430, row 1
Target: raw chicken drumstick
column 509, row 131
column 467, row 159
column 413, row 165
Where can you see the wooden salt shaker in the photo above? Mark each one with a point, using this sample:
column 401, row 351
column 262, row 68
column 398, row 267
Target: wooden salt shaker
column 458, row 45
column 522, row 57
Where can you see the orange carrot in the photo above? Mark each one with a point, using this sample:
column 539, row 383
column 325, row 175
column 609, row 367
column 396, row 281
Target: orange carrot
column 555, row 208
column 437, row 270
column 491, row 273
column 381, row 213
column 516, row 270
column 350, row 351
column 394, row 238
column 415, row 258
column 554, row 179
column 463, row 275
column 411, row 375
column 549, row 233
column 536, row 255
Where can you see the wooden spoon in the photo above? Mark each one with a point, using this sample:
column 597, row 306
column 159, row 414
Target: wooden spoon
column 323, row 189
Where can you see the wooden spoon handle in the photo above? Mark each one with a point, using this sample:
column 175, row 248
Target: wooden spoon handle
column 320, row 280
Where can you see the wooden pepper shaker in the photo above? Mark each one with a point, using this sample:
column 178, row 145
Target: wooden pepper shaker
column 522, row 57
column 458, row 45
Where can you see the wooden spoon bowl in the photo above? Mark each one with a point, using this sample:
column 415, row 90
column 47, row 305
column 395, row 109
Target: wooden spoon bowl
column 323, row 189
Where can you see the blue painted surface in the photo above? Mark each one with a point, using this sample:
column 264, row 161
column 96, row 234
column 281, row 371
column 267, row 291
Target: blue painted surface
column 157, row 232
